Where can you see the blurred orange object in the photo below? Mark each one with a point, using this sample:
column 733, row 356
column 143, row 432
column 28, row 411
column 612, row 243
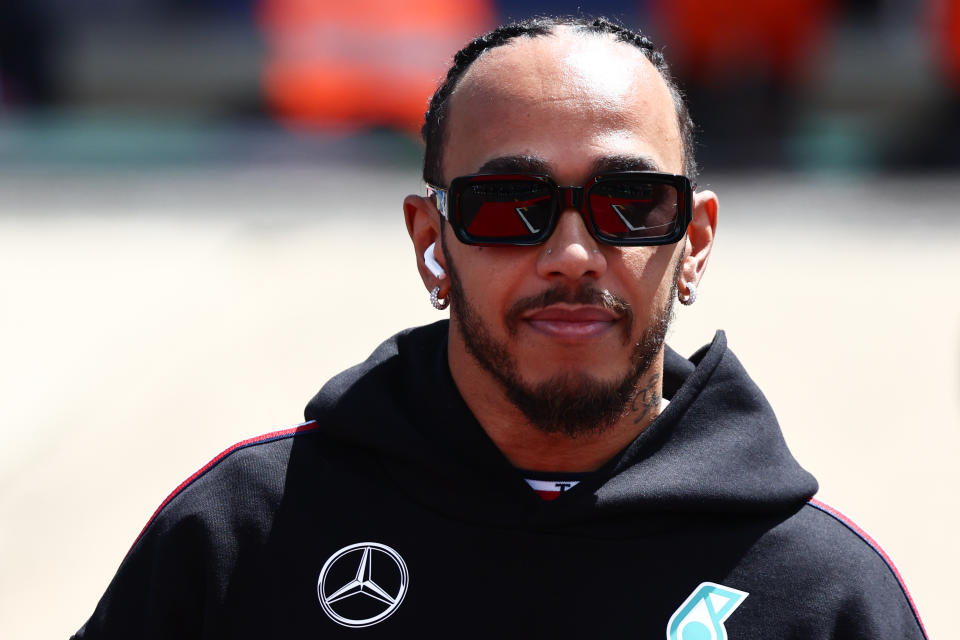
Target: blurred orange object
column 944, row 25
column 716, row 38
column 345, row 65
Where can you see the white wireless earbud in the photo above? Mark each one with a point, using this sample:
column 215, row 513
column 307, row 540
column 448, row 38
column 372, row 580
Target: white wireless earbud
column 432, row 263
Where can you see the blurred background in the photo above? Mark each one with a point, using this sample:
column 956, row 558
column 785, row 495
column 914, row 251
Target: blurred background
column 858, row 85
column 200, row 222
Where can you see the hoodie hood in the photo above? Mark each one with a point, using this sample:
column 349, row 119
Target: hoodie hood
column 716, row 448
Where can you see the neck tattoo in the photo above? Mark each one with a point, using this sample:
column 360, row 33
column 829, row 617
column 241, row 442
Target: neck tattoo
column 646, row 402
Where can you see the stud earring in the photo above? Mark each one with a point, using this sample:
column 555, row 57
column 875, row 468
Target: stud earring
column 438, row 303
column 691, row 296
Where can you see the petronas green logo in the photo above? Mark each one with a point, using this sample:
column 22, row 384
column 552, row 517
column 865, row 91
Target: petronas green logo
column 702, row 614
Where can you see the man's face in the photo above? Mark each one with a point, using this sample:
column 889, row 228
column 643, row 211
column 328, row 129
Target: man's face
column 572, row 319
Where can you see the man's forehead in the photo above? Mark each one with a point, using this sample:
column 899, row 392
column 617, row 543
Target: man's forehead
column 558, row 97
column 592, row 62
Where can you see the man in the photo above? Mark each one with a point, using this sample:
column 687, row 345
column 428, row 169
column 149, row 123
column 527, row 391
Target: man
column 542, row 465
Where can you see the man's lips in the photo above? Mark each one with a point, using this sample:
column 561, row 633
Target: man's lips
column 571, row 321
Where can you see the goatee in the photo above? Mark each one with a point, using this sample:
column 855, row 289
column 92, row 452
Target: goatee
column 571, row 403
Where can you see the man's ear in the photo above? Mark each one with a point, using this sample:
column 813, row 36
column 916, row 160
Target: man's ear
column 423, row 225
column 700, row 234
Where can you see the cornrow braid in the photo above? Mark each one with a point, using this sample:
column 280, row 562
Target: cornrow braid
column 434, row 126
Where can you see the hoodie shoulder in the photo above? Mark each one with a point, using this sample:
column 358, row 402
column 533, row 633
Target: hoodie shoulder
column 814, row 574
column 853, row 552
column 254, row 466
column 182, row 559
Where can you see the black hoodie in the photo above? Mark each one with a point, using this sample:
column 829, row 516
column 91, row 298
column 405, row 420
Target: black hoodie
column 391, row 514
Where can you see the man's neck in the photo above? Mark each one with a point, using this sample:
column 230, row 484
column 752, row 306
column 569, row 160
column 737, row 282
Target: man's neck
column 527, row 447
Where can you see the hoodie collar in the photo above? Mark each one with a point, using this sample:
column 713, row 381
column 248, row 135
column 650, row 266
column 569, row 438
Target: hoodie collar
column 716, row 448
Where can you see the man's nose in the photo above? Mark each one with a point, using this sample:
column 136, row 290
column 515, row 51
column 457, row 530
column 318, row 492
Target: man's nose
column 571, row 252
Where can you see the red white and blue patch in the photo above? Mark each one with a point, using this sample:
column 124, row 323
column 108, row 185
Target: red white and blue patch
column 551, row 489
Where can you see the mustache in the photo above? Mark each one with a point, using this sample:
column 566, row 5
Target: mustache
column 585, row 294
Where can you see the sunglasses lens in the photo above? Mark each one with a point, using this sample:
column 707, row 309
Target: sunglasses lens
column 502, row 211
column 634, row 209
column 629, row 208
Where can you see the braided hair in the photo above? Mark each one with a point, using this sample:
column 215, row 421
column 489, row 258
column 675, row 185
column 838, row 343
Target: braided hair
column 434, row 127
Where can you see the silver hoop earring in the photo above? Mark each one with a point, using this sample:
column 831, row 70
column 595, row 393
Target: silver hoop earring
column 438, row 303
column 691, row 296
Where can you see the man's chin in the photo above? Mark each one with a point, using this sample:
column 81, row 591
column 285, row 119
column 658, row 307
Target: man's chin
column 572, row 404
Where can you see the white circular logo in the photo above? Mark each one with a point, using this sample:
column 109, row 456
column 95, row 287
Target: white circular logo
column 362, row 584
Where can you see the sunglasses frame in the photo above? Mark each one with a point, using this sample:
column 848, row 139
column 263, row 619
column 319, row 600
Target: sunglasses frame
column 563, row 198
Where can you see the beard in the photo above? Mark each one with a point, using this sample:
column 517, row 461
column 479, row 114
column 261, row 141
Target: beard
column 570, row 403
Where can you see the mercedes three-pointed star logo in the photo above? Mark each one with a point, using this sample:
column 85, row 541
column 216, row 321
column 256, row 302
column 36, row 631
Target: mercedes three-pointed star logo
column 348, row 591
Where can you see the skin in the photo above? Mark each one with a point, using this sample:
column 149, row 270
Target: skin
column 568, row 105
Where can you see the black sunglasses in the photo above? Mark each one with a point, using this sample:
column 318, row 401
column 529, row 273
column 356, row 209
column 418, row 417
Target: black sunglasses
column 630, row 208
